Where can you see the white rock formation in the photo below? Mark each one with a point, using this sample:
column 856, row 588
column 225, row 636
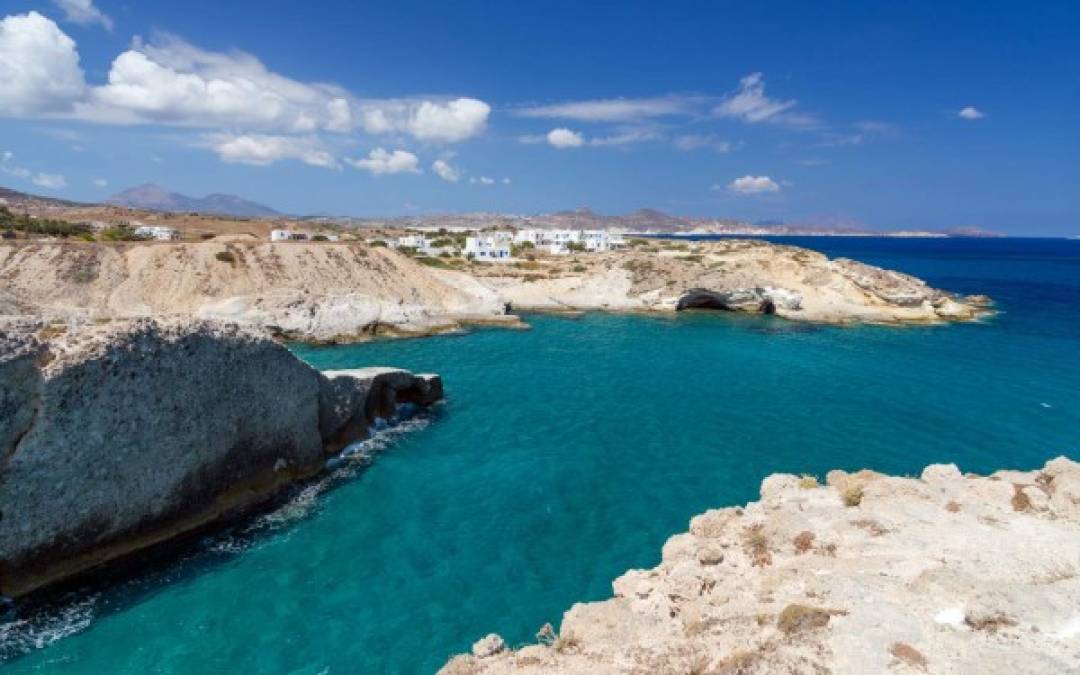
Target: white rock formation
column 871, row 574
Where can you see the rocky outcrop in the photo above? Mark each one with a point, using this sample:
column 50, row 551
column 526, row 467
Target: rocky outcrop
column 117, row 438
column 323, row 292
column 946, row 573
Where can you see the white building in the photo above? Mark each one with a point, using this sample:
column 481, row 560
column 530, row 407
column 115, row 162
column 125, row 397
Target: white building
column 157, row 232
column 417, row 241
column 491, row 246
column 287, row 235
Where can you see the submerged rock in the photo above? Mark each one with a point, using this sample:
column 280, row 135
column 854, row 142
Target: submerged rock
column 943, row 574
column 115, row 439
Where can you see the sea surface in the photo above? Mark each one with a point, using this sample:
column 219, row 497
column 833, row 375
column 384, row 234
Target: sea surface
column 568, row 453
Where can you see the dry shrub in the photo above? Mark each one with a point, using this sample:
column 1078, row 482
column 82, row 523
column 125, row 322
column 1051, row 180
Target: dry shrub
column 953, row 507
column 803, row 541
column 801, row 618
column 909, row 655
column 828, row 550
column 1020, row 501
column 990, row 622
column 739, row 663
column 757, row 545
column 852, row 495
column 808, row 482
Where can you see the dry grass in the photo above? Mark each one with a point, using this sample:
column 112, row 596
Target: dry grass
column 852, row 495
column 808, row 482
column 990, row 623
column 953, row 507
column 801, row 618
column 872, row 526
column 756, row 544
column 909, row 655
column 804, row 541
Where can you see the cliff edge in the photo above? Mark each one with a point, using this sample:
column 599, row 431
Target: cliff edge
column 946, row 573
column 119, row 437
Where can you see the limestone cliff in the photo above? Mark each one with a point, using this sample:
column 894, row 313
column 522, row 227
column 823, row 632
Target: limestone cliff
column 116, row 438
column 349, row 291
column 946, row 573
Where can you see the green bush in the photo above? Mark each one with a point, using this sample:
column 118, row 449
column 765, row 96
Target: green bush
column 225, row 256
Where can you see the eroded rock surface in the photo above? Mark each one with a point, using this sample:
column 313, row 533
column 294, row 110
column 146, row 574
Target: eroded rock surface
column 870, row 574
column 119, row 437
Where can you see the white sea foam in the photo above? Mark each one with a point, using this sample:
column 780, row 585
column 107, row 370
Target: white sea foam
column 25, row 635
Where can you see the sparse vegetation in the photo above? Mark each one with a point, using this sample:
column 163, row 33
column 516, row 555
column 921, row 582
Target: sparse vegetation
column 580, row 268
column 801, row 618
column 990, row 622
column 803, row 542
column 852, row 495
column 953, row 507
column 756, row 544
column 22, row 222
column 1020, row 501
column 872, row 526
column 120, row 232
column 808, row 482
column 433, row 262
column 226, row 257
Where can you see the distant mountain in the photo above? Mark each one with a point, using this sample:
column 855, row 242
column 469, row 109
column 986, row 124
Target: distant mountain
column 156, row 198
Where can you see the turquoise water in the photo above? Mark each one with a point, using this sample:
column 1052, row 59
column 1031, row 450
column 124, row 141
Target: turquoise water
column 569, row 453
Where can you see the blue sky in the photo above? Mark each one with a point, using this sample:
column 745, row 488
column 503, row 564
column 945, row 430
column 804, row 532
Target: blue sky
column 890, row 115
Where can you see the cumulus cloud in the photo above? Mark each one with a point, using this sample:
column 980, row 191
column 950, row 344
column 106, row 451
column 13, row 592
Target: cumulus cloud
column 380, row 161
column 265, row 149
column 171, row 82
column 971, row 113
column 751, row 105
column 39, row 67
column 84, row 12
column 451, row 121
column 565, row 138
column 752, row 185
column 612, row 109
column 444, row 170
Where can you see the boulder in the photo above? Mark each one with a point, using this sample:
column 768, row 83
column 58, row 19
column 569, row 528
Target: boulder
column 122, row 437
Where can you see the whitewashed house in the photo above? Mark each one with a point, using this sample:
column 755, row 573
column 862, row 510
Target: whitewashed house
column 417, row 241
column 279, row 235
column 494, row 246
column 157, row 232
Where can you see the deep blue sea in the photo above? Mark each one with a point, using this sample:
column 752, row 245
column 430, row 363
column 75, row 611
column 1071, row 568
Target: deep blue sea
column 568, row 453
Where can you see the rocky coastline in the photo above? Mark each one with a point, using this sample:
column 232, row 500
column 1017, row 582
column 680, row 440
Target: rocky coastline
column 116, row 438
column 346, row 292
column 945, row 573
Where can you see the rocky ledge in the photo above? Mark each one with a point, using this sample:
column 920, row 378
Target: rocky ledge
column 947, row 573
column 117, row 438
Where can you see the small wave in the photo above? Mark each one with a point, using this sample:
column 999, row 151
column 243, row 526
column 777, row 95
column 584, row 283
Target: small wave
column 21, row 636
column 44, row 626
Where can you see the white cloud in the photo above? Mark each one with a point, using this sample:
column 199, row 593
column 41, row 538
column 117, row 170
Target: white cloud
column 751, row 105
column 84, row 12
column 506, row 181
column 265, row 149
column 689, row 142
column 39, row 67
column 171, row 82
column 380, row 161
column 100, row 182
column 971, row 113
column 612, row 109
column 752, row 185
column 565, row 138
column 625, row 137
column 482, row 180
column 51, row 181
column 451, row 121
column 443, row 169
